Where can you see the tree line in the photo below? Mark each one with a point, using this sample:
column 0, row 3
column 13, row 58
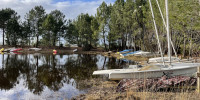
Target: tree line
column 36, row 24
column 124, row 24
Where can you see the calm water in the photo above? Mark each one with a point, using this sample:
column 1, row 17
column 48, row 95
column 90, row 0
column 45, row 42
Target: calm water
column 47, row 76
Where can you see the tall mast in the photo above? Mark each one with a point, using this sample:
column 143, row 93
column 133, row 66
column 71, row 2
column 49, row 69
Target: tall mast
column 168, row 35
column 166, row 28
column 156, row 32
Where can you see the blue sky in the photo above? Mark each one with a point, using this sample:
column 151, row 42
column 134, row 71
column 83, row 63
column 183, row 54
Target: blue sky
column 75, row 0
column 71, row 8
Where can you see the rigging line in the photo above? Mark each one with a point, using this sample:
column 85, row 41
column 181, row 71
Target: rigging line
column 156, row 32
column 166, row 28
column 168, row 35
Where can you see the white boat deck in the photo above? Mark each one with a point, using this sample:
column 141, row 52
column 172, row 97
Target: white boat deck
column 158, row 70
column 166, row 59
column 104, row 72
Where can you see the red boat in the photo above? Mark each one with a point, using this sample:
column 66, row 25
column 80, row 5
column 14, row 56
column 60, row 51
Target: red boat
column 15, row 50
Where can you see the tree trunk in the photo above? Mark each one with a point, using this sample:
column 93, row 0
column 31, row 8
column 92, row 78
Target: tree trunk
column 59, row 42
column 110, row 42
column 29, row 40
column 104, row 63
column 184, row 46
column 37, row 37
column 190, row 50
column 50, row 40
column 123, row 42
column 2, row 60
column 90, row 41
column 54, row 42
column 3, row 35
column 126, row 39
column 134, row 45
column 104, row 39
column 15, row 44
column 54, row 39
column 77, row 42
column 8, row 39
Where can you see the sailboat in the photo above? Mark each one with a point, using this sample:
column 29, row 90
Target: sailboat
column 155, row 70
column 158, row 70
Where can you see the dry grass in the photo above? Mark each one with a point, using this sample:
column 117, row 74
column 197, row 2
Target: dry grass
column 164, row 95
column 106, row 90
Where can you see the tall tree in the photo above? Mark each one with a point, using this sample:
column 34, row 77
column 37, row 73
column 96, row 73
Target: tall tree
column 72, row 35
column 103, row 17
column 54, row 25
column 48, row 26
column 59, row 25
column 36, row 17
column 117, row 25
column 95, row 30
column 26, row 33
column 84, row 29
column 128, row 20
column 5, row 15
column 13, row 31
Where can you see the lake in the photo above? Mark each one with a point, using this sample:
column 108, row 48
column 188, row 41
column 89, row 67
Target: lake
column 48, row 76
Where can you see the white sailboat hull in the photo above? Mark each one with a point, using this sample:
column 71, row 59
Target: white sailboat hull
column 184, row 69
column 132, row 68
column 104, row 72
column 166, row 59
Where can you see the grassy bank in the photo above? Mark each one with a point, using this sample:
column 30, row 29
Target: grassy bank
column 106, row 90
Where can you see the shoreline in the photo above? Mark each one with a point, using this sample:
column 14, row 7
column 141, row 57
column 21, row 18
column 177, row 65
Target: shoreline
column 101, row 88
column 69, row 50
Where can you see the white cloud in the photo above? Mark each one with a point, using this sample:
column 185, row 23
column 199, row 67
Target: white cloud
column 70, row 8
column 21, row 92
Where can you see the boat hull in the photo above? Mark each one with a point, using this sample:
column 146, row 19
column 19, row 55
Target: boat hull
column 180, row 71
column 34, row 49
column 160, row 59
column 104, row 72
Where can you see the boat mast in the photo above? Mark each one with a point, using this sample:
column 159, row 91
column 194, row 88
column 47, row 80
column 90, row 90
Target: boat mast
column 156, row 32
column 166, row 28
column 168, row 35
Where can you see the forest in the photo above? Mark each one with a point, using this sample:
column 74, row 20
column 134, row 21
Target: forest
column 121, row 25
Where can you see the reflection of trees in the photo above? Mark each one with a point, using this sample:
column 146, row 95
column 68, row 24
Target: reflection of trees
column 114, row 63
column 82, row 67
column 40, row 71
column 5, row 83
column 11, row 71
column 36, row 77
column 45, row 75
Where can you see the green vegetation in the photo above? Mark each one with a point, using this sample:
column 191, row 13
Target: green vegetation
column 124, row 24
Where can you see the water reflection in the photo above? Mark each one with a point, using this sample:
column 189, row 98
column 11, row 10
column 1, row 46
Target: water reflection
column 46, row 76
